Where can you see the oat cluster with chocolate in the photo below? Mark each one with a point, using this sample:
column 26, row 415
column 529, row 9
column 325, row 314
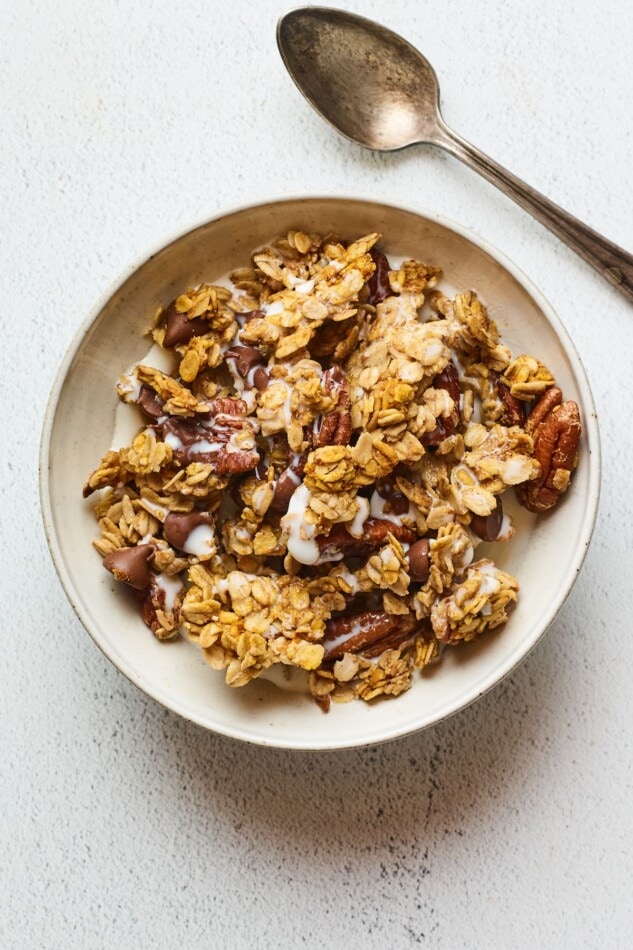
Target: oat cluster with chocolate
column 313, row 478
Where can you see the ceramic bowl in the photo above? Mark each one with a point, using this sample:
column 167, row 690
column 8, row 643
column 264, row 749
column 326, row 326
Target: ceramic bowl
column 546, row 553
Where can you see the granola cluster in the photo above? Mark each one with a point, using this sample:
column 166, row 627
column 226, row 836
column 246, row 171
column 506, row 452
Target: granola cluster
column 312, row 479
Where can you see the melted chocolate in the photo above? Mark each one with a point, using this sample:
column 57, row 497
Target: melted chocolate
column 189, row 432
column 245, row 359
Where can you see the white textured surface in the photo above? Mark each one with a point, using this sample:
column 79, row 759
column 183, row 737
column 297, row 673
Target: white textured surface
column 122, row 826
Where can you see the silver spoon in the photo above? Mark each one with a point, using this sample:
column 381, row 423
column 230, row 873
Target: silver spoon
column 380, row 92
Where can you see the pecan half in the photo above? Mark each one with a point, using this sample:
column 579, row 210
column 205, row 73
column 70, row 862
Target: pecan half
column 392, row 641
column 513, row 414
column 542, row 408
column 354, row 633
column 555, row 427
column 375, row 531
column 336, row 426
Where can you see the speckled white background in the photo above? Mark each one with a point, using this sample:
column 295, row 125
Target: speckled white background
column 125, row 827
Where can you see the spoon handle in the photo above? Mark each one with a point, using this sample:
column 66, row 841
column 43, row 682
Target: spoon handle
column 613, row 262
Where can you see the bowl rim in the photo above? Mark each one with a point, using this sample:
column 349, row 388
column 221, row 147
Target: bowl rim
column 590, row 424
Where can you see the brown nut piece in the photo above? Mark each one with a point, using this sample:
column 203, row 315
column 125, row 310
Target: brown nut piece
column 392, row 641
column 556, row 429
column 352, row 633
column 336, row 426
column 513, row 412
column 375, row 533
column 206, row 438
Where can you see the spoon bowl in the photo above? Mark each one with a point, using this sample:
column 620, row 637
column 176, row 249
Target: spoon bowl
column 369, row 83
column 379, row 91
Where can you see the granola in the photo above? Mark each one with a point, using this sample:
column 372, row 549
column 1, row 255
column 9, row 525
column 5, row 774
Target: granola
column 313, row 477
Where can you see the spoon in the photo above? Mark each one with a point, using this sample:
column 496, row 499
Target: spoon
column 380, row 92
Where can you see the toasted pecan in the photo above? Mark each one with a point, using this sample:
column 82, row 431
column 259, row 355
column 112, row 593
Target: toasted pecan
column 359, row 631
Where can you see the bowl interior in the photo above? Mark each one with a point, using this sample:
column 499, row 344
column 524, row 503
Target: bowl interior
column 545, row 554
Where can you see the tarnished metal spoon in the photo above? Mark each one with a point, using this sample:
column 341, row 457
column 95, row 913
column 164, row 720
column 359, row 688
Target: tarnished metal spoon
column 380, row 92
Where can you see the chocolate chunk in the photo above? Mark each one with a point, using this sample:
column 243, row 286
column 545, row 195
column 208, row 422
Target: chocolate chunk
column 487, row 527
column 397, row 503
column 131, row 565
column 179, row 330
column 378, row 283
column 287, row 483
column 261, row 378
column 154, row 599
column 448, row 379
column 149, row 403
column 249, row 362
column 419, row 561
column 178, row 526
column 245, row 358
column 335, row 384
column 285, row 487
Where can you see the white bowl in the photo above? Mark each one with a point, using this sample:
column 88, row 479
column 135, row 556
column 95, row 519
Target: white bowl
column 546, row 553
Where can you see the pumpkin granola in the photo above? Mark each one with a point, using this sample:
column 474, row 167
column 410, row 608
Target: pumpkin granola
column 310, row 483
